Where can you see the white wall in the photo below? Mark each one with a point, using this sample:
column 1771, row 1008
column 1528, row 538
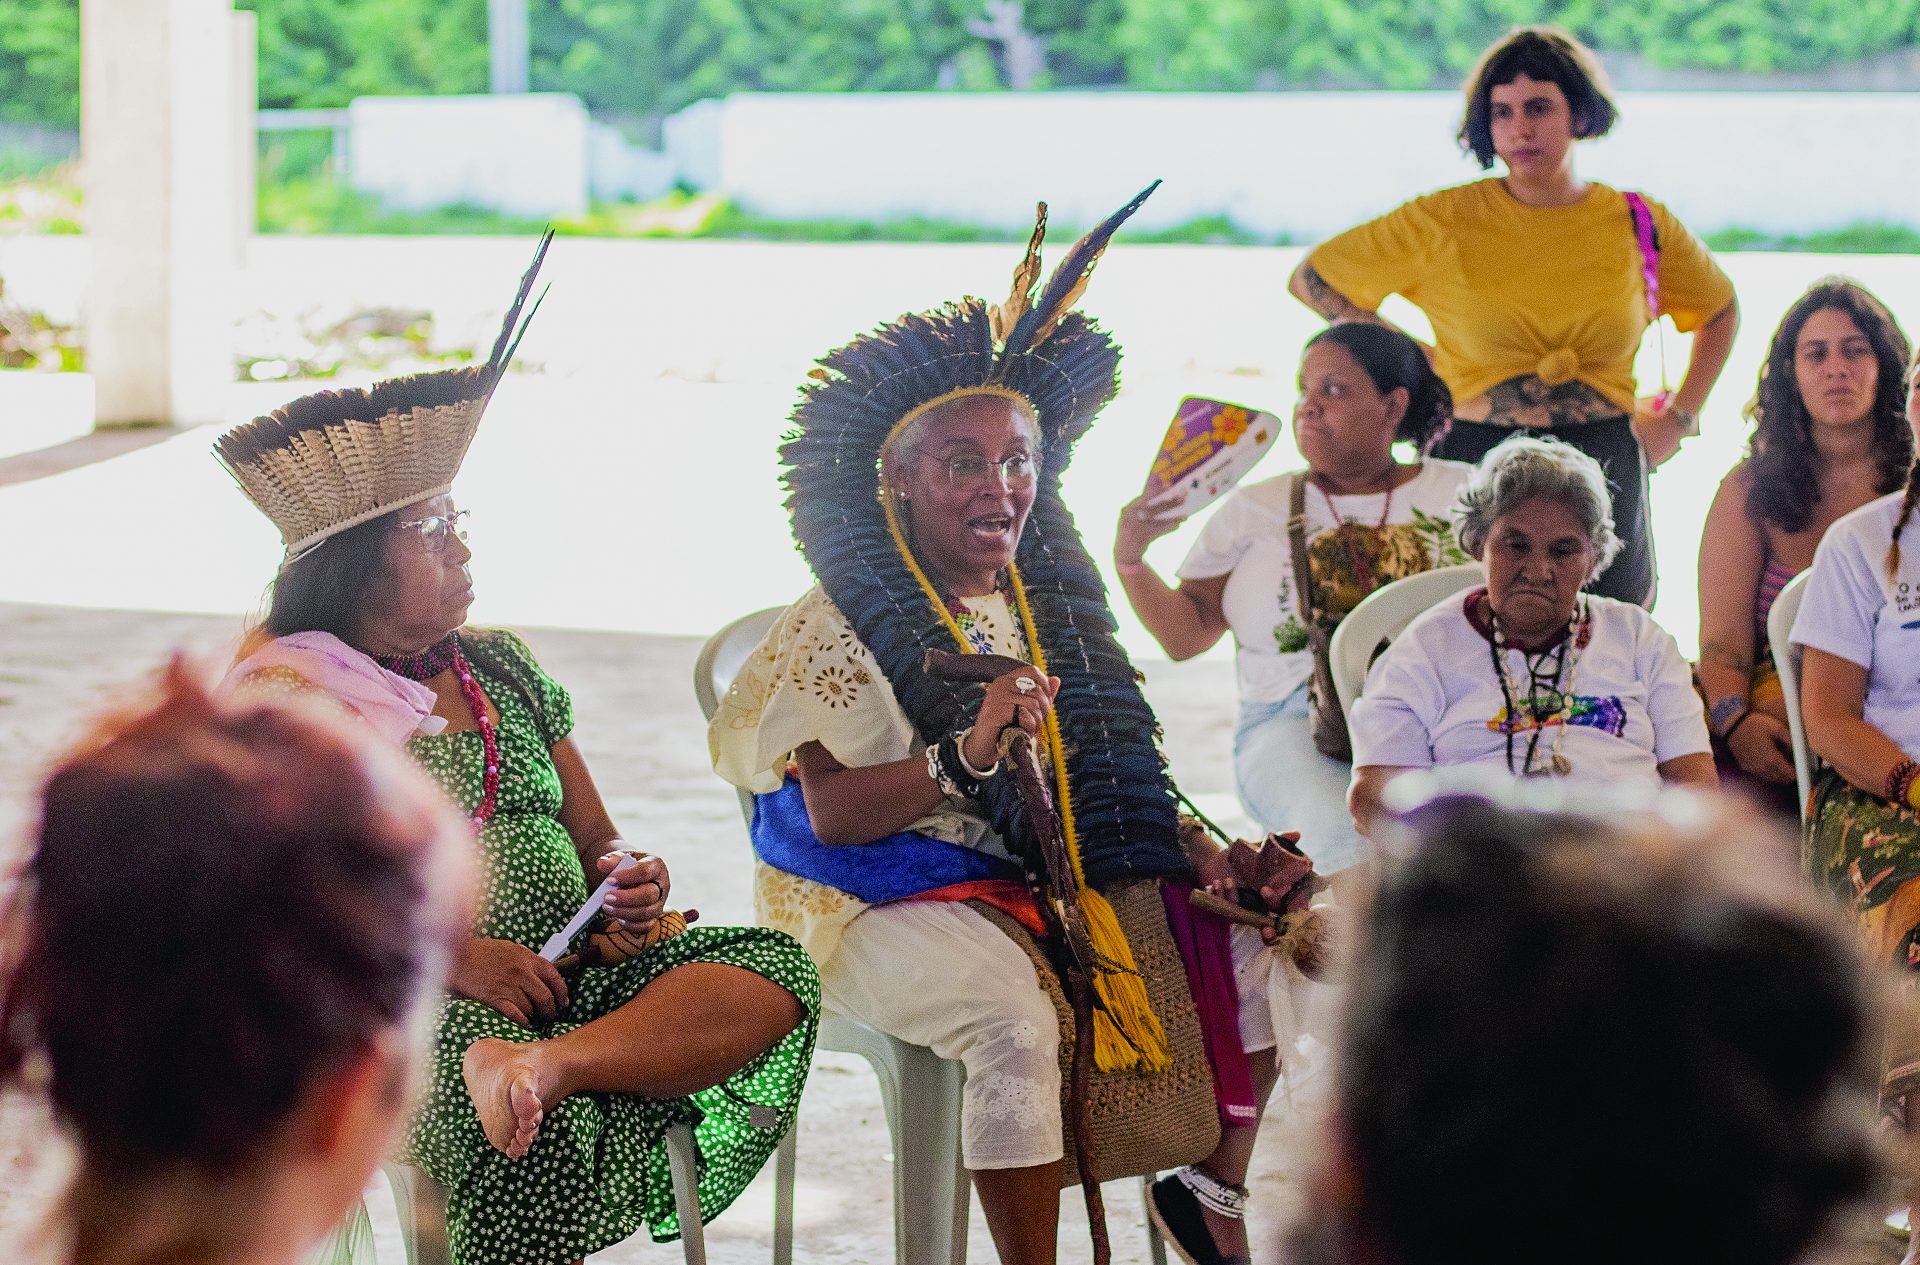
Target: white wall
column 522, row 155
column 1302, row 163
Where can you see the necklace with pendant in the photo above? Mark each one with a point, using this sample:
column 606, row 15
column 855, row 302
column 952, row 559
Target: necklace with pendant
column 1560, row 717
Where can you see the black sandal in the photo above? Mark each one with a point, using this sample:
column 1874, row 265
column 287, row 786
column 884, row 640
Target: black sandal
column 1176, row 1208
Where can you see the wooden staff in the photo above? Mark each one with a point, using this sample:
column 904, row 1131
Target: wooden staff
column 1061, row 904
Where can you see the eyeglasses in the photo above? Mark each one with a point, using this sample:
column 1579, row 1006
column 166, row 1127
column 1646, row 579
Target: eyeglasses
column 969, row 473
column 437, row 529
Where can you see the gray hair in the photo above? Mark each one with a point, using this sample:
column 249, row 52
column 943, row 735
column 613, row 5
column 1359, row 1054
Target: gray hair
column 908, row 441
column 1522, row 469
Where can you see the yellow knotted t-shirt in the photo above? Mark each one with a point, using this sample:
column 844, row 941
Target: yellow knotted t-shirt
column 1512, row 289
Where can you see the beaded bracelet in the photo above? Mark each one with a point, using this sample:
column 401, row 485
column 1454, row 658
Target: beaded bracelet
column 1900, row 782
column 947, row 767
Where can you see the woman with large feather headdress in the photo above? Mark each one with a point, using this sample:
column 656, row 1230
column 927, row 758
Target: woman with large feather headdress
column 892, row 835
column 552, row 1086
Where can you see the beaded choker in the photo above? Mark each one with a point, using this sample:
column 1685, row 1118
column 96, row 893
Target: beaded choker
column 441, row 656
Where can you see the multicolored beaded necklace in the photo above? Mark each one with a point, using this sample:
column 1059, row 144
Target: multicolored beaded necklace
column 1558, row 687
column 431, row 662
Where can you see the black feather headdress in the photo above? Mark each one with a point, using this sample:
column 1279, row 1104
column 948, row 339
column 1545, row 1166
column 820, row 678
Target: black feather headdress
column 1119, row 804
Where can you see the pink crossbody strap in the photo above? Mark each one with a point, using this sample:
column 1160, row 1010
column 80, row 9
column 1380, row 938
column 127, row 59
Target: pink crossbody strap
column 1649, row 249
column 1649, row 241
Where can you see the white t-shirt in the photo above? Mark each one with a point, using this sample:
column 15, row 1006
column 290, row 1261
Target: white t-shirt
column 1433, row 699
column 1246, row 541
column 1853, row 610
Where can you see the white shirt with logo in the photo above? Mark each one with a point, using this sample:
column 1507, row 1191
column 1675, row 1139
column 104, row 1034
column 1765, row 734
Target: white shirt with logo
column 1853, row 609
column 1433, row 698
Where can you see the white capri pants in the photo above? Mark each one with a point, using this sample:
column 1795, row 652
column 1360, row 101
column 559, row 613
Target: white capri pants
column 938, row 974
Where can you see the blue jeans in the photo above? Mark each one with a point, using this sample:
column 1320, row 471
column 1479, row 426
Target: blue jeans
column 1286, row 784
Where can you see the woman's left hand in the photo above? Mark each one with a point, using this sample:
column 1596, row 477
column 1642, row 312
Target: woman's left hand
column 639, row 894
column 1659, row 436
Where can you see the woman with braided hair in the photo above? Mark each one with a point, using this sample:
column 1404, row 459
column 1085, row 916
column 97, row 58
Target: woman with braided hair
column 1859, row 633
column 1830, row 434
column 1366, row 518
column 902, row 835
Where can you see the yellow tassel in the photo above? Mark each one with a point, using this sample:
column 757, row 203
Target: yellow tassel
column 1127, row 1035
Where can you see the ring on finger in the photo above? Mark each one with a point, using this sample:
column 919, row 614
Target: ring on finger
column 1025, row 684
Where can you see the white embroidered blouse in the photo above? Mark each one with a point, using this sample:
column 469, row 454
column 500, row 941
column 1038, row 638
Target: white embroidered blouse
column 812, row 680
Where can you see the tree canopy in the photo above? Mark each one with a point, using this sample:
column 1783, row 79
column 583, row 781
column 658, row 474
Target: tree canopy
column 645, row 58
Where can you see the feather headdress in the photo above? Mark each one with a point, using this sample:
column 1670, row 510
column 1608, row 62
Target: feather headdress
column 1116, row 801
column 336, row 459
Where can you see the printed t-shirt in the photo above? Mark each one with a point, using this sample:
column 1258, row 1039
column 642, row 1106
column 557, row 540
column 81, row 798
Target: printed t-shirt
column 1433, row 699
column 1854, row 610
column 1511, row 289
column 1246, row 541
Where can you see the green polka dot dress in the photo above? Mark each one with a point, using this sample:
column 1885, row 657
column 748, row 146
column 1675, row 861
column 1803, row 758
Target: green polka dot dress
column 598, row 1171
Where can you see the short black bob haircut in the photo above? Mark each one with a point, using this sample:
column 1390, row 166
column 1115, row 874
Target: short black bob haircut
column 1550, row 55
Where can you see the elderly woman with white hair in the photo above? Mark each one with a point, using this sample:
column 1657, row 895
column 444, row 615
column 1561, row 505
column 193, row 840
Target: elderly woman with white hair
column 1530, row 672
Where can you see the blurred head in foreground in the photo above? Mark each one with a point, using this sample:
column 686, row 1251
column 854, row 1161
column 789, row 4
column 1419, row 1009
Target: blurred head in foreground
column 1580, row 1038
column 227, row 925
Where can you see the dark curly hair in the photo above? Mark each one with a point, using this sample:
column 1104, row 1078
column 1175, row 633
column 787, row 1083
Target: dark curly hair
column 1550, row 55
column 1780, row 455
column 1393, row 361
column 1606, row 1034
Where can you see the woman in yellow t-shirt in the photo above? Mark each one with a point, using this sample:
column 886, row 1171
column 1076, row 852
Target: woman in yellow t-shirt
column 1536, row 283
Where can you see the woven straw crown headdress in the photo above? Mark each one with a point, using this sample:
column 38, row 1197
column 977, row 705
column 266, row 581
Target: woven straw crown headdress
column 336, row 459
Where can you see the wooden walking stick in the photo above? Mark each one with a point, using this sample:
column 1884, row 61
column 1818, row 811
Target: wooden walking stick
column 1061, row 905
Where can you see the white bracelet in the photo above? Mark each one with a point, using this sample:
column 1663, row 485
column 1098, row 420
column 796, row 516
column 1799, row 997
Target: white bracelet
column 960, row 749
column 947, row 785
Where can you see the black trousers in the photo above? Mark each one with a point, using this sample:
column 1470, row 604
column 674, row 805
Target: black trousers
column 1610, row 441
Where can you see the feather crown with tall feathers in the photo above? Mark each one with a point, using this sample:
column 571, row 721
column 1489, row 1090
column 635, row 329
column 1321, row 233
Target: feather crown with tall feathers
column 336, row 459
column 1065, row 369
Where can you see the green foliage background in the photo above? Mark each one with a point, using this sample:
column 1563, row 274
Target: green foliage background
column 645, row 58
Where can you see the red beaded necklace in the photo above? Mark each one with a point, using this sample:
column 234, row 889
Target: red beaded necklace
column 431, row 662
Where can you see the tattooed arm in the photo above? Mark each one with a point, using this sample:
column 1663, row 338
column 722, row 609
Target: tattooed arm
column 1732, row 556
column 1307, row 285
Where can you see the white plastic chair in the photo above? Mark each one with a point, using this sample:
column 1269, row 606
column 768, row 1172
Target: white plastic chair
column 1786, row 661
column 422, row 1205
column 1381, row 616
column 919, row 1089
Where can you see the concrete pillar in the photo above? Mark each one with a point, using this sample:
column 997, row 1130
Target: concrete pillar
column 509, row 46
column 246, row 131
column 157, row 155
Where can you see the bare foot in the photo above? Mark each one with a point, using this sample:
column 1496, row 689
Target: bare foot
column 505, row 1090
